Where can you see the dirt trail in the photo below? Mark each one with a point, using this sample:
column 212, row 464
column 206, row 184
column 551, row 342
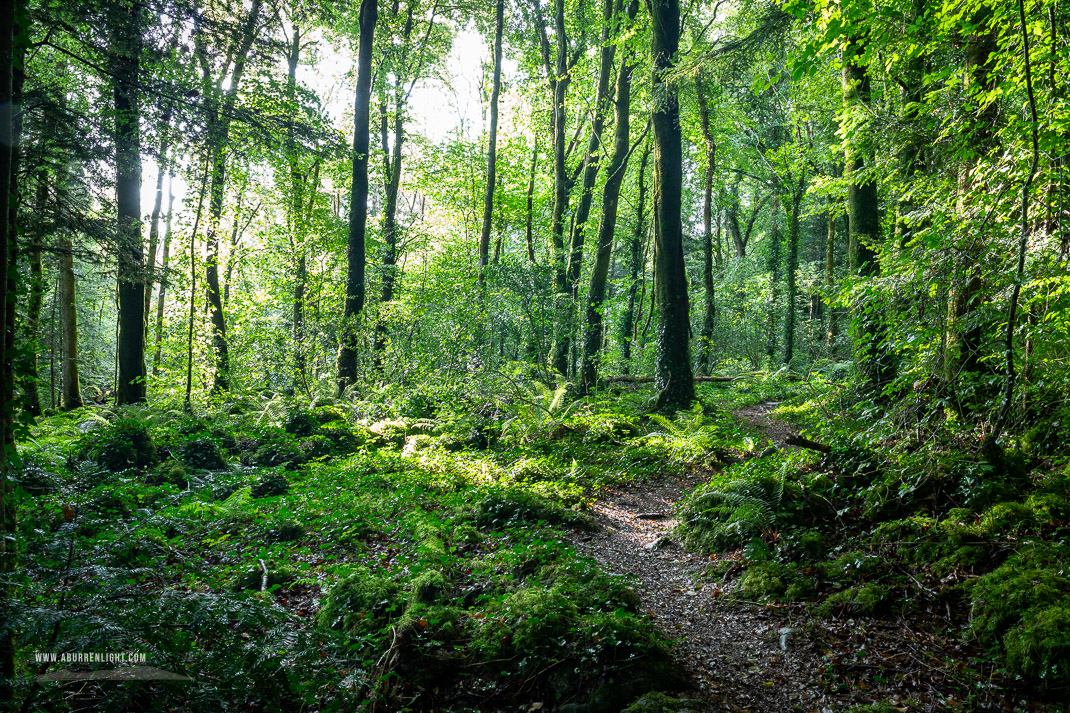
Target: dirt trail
column 742, row 657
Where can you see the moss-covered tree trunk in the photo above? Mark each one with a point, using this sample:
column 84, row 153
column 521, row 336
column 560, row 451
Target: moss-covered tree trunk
column 709, row 317
column 672, row 364
column 492, row 144
column 635, row 265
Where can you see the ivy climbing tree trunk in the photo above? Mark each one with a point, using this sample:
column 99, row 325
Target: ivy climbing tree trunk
column 672, row 362
column 358, row 201
column 126, row 43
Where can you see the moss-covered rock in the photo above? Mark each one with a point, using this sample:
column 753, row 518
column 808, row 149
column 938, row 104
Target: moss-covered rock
column 762, row 581
column 360, row 604
column 1007, row 518
column 285, row 531
column 507, row 508
column 657, row 702
column 1039, row 646
column 864, row 600
column 532, row 620
column 427, row 587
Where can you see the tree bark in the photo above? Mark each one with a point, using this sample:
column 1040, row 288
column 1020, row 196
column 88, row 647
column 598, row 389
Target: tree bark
column 162, row 295
column 594, row 332
column 492, row 143
column 529, row 239
column 219, row 139
column 627, row 322
column 790, row 270
column 358, row 203
column 709, row 317
column 126, row 44
column 672, row 364
column 154, row 223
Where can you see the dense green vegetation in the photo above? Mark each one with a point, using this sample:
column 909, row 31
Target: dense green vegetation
column 325, row 325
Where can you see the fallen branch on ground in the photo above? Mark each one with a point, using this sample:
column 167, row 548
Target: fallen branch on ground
column 794, row 439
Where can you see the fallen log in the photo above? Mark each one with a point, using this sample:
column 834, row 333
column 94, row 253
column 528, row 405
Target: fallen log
column 794, row 439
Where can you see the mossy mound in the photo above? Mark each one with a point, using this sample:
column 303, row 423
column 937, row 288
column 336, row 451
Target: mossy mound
column 270, row 485
column 360, row 604
column 285, row 531
column 254, row 577
column 171, row 471
column 864, row 600
column 532, row 621
column 300, row 423
column 657, row 702
column 121, row 445
column 763, row 581
column 328, row 413
column 203, row 454
column 509, row 508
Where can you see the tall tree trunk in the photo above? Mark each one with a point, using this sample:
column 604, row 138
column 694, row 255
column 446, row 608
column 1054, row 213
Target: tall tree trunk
column 492, row 143
column 530, row 217
column 773, row 262
column 709, row 317
column 294, row 211
column 672, row 363
column 33, row 309
column 790, row 270
column 219, row 139
column 592, row 160
column 594, row 332
column 358, row 203
column 193, row 280
column 154, row 224
column 162, row 295
column 830, row 282
column 635, row 265
column 863, row 227
column 71, row 396
column 126, row 44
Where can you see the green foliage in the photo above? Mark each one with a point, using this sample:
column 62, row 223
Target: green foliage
column 360, row 604
column 511, row 507
column 203, row 454
column 863, row 600
column 117, row 446
column 733, row 510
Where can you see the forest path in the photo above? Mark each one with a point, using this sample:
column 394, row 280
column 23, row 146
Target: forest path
column 740, row 656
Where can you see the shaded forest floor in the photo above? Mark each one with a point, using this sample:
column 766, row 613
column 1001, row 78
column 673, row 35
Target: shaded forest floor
column 538, row 553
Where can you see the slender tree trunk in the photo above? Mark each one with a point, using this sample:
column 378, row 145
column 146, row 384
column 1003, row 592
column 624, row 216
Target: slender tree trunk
column 358, row 204
column 529, row 239
column 864, row 229
column 635, row 265
column 592, row 159
column 773, row 263
column 830, row 282
column 791, row 268
column 193, row 281
column 33, row 310
column 162, row 295
column 672, row 364
column 294, row 211
column 219, row 139
column 126, row 42
column 154, row 225
column 492, row 143
column 709, row 317
column 594, row 332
